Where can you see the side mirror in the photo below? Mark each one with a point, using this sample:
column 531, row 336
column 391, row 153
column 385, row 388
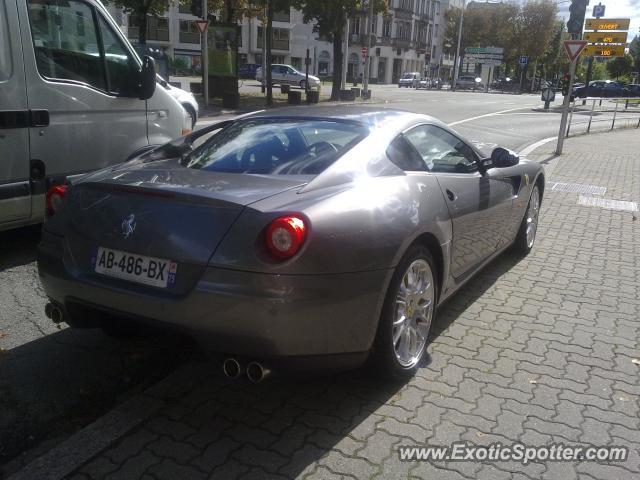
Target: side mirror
column 503, row 158
column 147, row 84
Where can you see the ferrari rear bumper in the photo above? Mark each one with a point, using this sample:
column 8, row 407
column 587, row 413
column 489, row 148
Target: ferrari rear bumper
column 235, row 312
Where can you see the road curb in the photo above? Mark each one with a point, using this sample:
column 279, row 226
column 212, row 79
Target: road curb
column 78, row 449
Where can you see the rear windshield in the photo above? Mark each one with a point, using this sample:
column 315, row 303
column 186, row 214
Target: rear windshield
column 276, row 146
column 408, row 75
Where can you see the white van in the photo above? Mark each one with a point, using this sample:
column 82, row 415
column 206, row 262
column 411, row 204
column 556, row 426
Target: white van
column 74, row 97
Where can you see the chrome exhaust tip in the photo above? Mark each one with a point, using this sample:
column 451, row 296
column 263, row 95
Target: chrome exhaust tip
column 54, row 313
column 48, row 308
column 256, row 372
column 231, row 368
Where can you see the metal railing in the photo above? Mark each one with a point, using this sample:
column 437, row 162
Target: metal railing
column 595, row 113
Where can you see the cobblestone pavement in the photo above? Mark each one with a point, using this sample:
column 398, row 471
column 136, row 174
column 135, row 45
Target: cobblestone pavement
column 535, row 350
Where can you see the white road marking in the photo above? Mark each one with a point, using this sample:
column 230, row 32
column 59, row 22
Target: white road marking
column 470, row 119
column 608, row 203
column 527, row 150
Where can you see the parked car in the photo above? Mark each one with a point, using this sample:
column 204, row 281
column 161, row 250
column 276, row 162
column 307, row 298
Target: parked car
column 409, row 79
column 469, row 82
column 506, row 84
column 632, row 90
column 248, row 70
column 326, row 234
column 186, row 99
column 423, row 83
column 70, row 104
column 287, row 75
column 600, row 88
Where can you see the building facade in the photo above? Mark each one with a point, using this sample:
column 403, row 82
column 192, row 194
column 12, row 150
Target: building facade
column 408, row 38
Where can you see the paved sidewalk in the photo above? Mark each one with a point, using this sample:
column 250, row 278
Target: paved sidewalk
column 536, row 350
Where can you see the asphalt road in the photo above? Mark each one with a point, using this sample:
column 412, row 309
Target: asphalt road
column 54, row 380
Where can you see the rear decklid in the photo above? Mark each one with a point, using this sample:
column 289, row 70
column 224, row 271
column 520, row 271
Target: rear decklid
column 160, row 210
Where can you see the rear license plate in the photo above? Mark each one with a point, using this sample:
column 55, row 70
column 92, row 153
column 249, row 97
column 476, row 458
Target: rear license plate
column 157, row 272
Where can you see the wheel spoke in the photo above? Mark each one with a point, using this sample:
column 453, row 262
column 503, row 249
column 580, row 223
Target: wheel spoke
column 397, row 332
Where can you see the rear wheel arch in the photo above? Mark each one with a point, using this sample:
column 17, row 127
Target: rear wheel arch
column 430, row 241
column 540, row 182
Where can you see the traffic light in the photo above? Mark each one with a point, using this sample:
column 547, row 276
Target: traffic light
column 196, row 8
column 577, row 10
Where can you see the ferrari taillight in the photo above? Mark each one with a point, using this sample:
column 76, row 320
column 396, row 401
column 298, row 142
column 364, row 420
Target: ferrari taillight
column 285, row 236
column 54, row 198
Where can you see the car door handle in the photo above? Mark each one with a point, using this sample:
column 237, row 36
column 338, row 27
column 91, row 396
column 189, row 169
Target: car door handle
column 450, row 195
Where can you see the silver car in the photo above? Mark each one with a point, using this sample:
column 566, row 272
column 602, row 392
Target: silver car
column 287, row 75
column 321, row 236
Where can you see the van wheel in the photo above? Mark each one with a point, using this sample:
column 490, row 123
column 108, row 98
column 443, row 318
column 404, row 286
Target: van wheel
column 407, row 315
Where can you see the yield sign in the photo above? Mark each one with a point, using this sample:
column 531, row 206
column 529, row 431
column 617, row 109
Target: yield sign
column 573, row 48
column 202, row 25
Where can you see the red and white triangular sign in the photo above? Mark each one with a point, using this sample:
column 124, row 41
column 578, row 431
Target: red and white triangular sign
column 202, row 25
column 573, row 48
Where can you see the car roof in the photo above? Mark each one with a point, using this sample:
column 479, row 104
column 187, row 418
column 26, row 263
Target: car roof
column 367, row 115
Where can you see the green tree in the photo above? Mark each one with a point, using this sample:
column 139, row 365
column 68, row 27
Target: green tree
column 140, row 9
column 528, row 29
column 620, row 66
column 634, row 50
column 330, row 18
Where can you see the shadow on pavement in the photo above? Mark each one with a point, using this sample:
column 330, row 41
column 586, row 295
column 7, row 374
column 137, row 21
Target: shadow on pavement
column 52, row 386
column 18, row 246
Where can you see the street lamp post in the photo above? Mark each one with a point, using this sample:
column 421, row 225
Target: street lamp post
column 455, row 62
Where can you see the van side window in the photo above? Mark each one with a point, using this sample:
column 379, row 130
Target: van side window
column 6, row 68
column 119, row 65
column 65, row 41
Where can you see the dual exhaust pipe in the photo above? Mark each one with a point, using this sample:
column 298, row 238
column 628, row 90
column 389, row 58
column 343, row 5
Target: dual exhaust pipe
column 255, row 371
column 54, row 312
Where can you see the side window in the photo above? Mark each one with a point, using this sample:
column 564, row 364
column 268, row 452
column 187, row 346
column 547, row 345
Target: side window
column 6, row 67
column 404, row 156
column 118, row 62
column 442, row 151
column 66, row 41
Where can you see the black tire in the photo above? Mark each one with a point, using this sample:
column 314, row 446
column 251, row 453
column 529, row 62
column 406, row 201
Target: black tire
column 522, row 244
column 383, row 354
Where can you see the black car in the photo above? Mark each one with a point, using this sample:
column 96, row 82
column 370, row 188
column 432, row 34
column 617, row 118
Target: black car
column 632, row 90
column 600, row 88
column 248, row 70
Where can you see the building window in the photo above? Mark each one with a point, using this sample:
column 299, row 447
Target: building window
column 242, row 59
column 437, row 8
column 386, row 27
column 279, row 40
column 189, row 33
column 283, row 16
column 354, row 26
column 374, row 25
column 157, row 28
column 187, row 63
column 296, row 62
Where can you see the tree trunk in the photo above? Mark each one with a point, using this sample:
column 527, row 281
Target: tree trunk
column 337, row 65
column 229, row 11
column 142, row 27
column 269, row 34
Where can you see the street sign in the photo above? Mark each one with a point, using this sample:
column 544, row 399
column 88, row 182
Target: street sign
column 607, row 24
column 604, row 51
column 598, row 10
column 201, row 25
column 484, row 50
column 524, row 59
column 573, row 48
column 606, row 37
